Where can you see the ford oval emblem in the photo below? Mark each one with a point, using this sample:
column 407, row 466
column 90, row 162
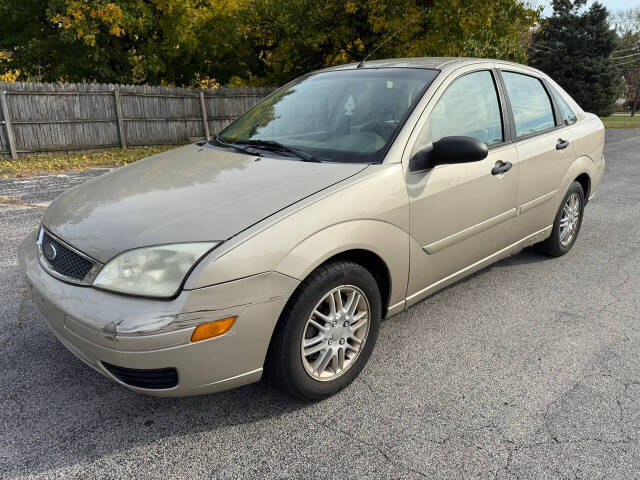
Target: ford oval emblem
column 50, row 252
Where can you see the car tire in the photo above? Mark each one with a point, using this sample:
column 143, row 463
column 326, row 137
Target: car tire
column 288, row 364
column 567, row 223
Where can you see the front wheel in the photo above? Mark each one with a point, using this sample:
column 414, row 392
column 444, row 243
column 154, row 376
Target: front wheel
column 327, row 332
column 567, row 223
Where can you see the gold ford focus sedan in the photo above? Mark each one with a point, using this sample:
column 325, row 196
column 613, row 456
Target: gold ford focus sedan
column 341, row 199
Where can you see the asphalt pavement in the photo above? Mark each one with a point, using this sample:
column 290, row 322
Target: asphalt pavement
column 527, row 369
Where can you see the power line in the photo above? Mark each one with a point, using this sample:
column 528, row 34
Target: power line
column 543, row 46
column 626, row 56
column 551, row 51
column 544, row 52
column 557, row 43
column 625, row 50
column 634, row 48
column 629, row 62
column 536, row 49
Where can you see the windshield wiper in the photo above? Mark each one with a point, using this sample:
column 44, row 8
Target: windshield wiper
column 240, row 148
column 273, row 145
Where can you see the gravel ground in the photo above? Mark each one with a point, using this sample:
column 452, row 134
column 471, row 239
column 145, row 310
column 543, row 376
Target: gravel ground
column 528, row 369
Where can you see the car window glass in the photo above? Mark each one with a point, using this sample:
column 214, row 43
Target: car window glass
column 343, row 116
column 532, row 110
column 468, row 107
column 567, row 114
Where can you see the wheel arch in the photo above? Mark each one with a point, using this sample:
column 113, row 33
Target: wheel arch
column 375, row 265
column 585, row 181
column 380, row 247
column 581, row 171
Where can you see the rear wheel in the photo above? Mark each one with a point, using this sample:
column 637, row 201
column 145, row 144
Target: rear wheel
column 327, row 332
column 567, row 223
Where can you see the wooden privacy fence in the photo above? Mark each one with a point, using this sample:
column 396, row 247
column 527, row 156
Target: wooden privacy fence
column 59, row 117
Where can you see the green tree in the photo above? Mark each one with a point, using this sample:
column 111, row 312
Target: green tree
column 293, row 37
column 257, row 42
column 126, row 41
column 579, row 43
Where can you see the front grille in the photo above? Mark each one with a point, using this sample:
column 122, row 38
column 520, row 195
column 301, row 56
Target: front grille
column 154, row 379
column 66, row 262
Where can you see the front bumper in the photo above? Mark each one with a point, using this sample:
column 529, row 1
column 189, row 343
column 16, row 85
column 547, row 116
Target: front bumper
column 101, row 328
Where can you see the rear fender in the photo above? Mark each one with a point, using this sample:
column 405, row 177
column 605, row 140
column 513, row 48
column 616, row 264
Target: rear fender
column 582, row 164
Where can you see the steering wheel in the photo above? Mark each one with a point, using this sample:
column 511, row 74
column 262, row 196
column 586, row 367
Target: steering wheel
column 383, row 129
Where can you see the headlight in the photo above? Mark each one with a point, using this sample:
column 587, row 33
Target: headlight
column 153, row 271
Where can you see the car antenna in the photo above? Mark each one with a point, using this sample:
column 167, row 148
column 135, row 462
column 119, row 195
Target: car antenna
column 361, row 63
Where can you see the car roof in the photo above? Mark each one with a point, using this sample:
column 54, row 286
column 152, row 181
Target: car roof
column 437, row 63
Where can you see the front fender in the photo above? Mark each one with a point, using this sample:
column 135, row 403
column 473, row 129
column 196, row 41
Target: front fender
column 370, row 212
column 387, row 241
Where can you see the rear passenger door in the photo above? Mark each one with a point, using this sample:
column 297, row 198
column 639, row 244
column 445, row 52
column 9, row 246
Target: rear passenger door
column 545, row 151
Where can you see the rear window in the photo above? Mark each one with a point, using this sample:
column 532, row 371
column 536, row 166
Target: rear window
column 567, row 114
column 532, row 110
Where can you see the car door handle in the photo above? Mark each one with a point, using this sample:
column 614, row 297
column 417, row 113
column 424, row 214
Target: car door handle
column 562, row 144
column 501, row 167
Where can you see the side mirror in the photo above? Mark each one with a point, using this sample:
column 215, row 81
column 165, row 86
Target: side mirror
column 449, row 150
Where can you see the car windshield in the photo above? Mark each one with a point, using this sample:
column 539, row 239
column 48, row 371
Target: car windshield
column 338, row 116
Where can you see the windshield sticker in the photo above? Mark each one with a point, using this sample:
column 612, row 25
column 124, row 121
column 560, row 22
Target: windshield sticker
column 349, row 106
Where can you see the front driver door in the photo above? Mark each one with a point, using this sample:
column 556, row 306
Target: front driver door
column 460, row 214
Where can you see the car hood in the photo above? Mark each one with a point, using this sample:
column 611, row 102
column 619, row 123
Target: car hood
column 185, row 195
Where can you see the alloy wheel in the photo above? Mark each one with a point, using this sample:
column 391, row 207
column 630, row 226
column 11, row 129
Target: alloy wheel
column 335, row 333
column 570, row 219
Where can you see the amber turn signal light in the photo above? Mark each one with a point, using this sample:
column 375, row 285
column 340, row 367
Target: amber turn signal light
column 212, row 329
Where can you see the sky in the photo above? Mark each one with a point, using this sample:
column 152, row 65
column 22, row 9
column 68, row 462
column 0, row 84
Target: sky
column 612, row 5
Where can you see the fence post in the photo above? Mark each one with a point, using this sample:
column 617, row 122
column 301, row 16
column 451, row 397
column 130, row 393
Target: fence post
column 7, row 124
column 116, row 96
column 205, row 122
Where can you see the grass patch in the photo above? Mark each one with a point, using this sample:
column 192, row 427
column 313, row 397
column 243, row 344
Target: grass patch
column 62, row 162
column 618, row 121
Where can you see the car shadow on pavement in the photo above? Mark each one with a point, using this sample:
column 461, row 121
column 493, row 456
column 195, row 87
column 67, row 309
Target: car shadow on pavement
column 526, row 256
